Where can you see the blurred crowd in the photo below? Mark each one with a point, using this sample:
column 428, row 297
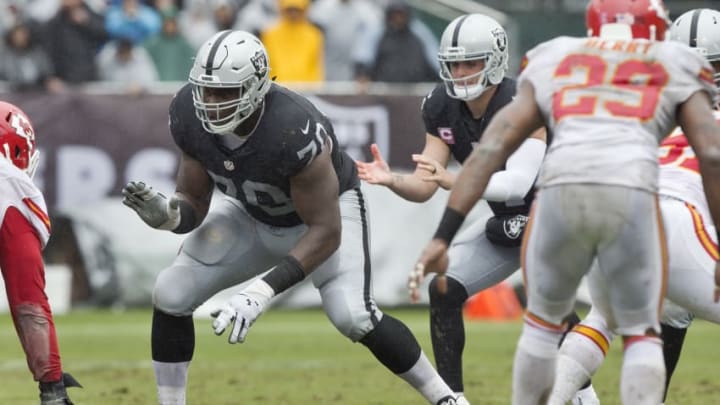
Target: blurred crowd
column 53, row 45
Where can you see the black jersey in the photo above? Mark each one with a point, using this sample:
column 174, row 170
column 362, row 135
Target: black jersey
column 450, row 120
column 289, row 135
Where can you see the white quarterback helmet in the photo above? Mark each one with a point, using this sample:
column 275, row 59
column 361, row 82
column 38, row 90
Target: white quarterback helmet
column 473, row 37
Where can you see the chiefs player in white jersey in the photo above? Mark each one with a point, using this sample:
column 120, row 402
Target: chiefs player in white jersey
column 24, row 231
column 608, row 101
column 691, row 238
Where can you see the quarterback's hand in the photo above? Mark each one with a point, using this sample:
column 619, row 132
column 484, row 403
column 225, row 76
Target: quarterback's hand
column 377, row 171
column 242, row 310
column 433, row 259
column 152, row 206
column 437, row 171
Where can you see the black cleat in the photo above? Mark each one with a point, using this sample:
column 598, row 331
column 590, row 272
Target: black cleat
column 54, row 393
column 70, row 381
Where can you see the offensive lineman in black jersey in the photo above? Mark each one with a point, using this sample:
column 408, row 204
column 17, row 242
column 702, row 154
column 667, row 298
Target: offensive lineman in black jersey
column 473, row 56
column 291, row 200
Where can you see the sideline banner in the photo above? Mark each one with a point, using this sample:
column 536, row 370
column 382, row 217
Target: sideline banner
column 91, row 145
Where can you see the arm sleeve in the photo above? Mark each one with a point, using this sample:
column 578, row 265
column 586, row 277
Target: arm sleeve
column 519, row 175
column 20, row 250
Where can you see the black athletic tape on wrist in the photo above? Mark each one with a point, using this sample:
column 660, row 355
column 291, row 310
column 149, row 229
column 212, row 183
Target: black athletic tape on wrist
column 449, row 225
column 187, row 217
column 285, row 275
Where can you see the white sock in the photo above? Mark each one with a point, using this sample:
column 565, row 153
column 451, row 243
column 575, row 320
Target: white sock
column 642, row 381
column 423, row 377
column 586, row 396
column 534, row 364
column 569, row 377
column 578, row 359
column 171, row 381
column 171, row 395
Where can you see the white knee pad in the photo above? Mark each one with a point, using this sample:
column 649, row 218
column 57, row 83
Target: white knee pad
column 171, row 295
column 354, row 325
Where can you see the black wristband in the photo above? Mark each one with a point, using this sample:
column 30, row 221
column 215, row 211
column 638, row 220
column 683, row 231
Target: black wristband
column 187, row 217
column 285, row 275
column 449, row 225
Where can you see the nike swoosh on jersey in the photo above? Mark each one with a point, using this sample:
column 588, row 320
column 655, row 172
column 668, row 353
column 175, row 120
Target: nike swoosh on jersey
column 307, row 128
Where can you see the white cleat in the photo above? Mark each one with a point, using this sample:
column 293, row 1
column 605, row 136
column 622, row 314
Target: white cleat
column 586, row 396
column 461, row 400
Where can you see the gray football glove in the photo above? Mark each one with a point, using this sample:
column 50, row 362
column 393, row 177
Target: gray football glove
column 152, row 206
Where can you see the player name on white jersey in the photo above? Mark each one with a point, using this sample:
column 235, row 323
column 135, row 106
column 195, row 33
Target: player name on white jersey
column 609, row 103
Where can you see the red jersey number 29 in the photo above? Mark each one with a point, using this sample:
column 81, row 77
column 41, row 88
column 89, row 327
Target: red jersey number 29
column 639, row 85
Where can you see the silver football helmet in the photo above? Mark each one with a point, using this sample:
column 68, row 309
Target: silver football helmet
column 700, row 29
column 230, row 59
column 473, row 37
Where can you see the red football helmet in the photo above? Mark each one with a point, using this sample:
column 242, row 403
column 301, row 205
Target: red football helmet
column 17, row 138
column 647, row 18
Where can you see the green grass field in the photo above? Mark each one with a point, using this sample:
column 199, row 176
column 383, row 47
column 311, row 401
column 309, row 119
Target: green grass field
column 296, row 357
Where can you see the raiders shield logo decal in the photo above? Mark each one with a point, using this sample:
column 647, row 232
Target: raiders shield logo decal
column 260, row 63
column 514, row 226
column 500, row 39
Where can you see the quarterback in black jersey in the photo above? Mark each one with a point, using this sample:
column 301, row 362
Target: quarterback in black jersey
column 290, row 202
column 473, row 57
